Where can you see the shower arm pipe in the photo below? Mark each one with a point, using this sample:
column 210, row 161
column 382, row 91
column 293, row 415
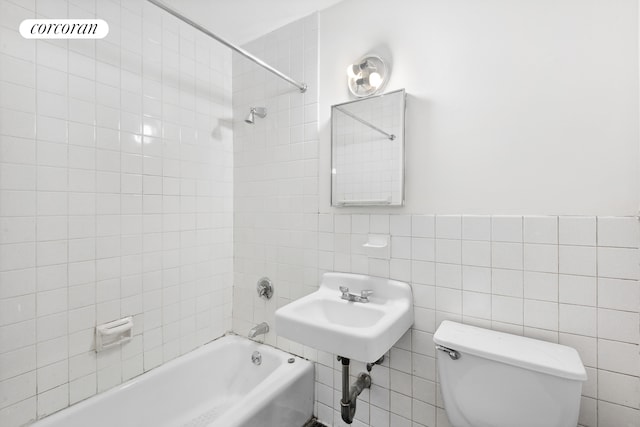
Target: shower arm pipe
column 301, row 86
column 389, row 136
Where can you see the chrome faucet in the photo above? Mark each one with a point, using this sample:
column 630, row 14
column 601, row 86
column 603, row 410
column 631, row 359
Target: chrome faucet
column 260, row 329
column 363, row 297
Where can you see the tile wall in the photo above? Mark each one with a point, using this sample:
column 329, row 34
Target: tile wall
column 572, row 280
column 275, row 174
column 115, row 199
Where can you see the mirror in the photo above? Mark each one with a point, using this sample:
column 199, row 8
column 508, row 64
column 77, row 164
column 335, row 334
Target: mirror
column 367, row 151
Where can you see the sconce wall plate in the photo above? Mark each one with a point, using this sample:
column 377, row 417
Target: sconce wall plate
column 368, row 76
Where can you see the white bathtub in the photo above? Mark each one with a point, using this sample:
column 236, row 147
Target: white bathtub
column 216, row 385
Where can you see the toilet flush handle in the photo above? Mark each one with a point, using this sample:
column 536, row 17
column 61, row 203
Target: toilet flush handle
column 454, row 354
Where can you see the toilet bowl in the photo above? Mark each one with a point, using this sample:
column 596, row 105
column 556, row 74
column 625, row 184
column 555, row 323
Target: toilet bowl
column 493, row 379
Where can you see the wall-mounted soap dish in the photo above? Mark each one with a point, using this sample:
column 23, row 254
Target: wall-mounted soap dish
column 113, row 333
column 377, row 246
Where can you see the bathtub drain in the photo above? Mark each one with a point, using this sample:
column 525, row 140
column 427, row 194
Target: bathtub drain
column 256, row 358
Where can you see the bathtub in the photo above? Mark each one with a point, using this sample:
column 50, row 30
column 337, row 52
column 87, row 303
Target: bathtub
column 216, row 385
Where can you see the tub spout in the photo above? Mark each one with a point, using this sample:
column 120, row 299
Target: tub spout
column 260, row 329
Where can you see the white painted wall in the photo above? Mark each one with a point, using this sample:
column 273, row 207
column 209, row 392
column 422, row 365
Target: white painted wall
column 514, row 107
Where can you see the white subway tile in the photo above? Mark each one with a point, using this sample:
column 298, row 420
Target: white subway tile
column 577, row 319
column 506, row 309
column 507, row 255
column 618, row 263
column 541, row 229
column 52, row 252
column 580, row 260
column 52, row 326
column 590, row 386
column 17, row 309
column 379, row 224
column 476, row 304
column 52, row 375
column 588, row 412
column 17, row 362
column 541, row 258
column 476, row 227
column 53, row 400
column 507, row 282
column 541, row 314
column 17, row 177
column 18, row 388
column 448, row 226
column 423, row 272
column 449, row 300
column 17, row 123
column 17, row 256
column 577, row 230
column 17, row 70
column 506, row 229
column 400, row 269
column 618, row 388
column 82, row 388
column 581, row 290
column 619, row 232
column 476, row 279
column 17, row 150
column 618, row 325
column 610, row 414
column 423, row 226
column 449, row 275
column 448, row 251
column 541, row 286
column 617, row 356
column 401, row 247
column 342, row 223
column 423, row 249
column 618, row 294
column 400, row 225
column 360, row 224
column 476, row 253
column 587, row 347
column 52, row 351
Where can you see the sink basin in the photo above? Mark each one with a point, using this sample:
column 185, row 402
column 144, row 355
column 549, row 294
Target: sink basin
column 355, row 330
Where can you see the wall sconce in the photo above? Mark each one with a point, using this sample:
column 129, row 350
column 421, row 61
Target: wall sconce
column 368, row 76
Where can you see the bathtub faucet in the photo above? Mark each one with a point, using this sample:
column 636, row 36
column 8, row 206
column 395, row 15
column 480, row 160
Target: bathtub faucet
column 260, row 329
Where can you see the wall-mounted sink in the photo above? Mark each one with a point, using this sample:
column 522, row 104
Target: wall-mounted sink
column 356, row 330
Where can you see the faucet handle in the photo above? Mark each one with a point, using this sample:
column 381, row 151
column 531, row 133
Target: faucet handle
column 366, row 293
column 344, row 289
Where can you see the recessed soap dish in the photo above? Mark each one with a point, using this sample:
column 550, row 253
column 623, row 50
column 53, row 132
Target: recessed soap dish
column 113, row 333
column 377, row 246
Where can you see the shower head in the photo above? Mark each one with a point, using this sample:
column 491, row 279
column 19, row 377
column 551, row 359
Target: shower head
column 255, row 111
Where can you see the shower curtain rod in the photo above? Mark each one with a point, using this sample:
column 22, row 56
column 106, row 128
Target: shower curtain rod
column 299, row 85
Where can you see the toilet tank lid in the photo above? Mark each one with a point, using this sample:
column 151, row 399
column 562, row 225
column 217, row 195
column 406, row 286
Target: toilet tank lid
column 528, row 353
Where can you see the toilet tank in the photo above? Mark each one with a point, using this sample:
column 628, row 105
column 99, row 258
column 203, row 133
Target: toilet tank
column 493, row 379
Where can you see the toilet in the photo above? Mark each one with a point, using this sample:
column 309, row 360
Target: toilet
column 494, row 379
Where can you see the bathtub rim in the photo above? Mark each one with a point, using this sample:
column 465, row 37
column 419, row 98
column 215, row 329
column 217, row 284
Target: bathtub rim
column 298, row 367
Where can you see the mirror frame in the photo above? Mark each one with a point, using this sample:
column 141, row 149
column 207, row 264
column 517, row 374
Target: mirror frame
column 402, row 142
